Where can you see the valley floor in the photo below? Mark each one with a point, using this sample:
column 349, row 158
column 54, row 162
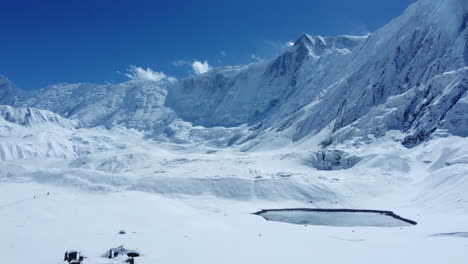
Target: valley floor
column 205, row 230
column 194, row 204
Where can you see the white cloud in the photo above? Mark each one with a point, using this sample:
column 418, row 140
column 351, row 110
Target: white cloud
column 223, row 53
column 255, row 57
column 289, row 44
column 200, row 67
column 138, row 73
column 197, row 66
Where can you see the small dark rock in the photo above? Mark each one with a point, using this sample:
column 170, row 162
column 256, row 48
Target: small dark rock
column 74, row 257
column 133, row 254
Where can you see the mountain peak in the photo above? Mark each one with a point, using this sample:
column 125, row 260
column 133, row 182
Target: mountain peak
column 303, row 39
column 7, row 90
column 318, row 45
column 311, row 42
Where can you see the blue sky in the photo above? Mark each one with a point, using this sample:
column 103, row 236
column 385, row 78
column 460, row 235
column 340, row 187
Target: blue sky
column 45, row 42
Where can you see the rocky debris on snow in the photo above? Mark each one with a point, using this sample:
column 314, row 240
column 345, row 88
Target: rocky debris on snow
column 331, row 160
column 121, row 251
column 73, row 257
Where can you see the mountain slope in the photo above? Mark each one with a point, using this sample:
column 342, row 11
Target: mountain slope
column 31, row 133
column 136, row 104
column 325, row 80
column 329, row 85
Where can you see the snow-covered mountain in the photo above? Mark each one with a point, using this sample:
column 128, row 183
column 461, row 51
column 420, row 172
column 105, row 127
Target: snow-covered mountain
column 410, row 76
column 317, row 105
column 411, row 70
column 377, row 121
column 28, row 133
column 335, row 82
column 32, row 117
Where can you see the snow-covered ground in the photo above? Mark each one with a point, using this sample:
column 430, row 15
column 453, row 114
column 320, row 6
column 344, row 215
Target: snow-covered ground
column 181, row 204
column 205, row 230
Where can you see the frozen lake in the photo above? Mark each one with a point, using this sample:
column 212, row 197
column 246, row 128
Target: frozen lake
column 336, row 217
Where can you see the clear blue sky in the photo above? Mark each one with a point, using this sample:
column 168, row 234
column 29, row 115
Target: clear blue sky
column 45, row 42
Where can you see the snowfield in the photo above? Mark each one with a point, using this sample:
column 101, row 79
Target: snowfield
column 205, row 231
column 178, row 205
column 375, row 122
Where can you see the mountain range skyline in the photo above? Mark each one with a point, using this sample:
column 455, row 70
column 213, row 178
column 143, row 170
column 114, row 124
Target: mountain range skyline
column 52, row 42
